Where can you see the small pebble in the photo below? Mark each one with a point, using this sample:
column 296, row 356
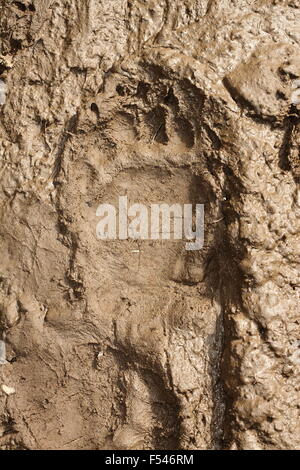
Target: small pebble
column 2, row 353
column 2, row 92
column 8, row 390
column 295, row 98
column 296, row 84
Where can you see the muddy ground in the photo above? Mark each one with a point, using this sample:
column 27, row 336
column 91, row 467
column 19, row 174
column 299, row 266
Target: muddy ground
column 130, row 344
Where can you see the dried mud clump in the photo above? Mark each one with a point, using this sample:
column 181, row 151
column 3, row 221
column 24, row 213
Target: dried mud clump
column 143, row 345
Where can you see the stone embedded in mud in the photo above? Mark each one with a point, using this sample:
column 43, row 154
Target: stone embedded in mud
column 2, row 353
column 295, row 98
column 2, row 92
column 8, row 390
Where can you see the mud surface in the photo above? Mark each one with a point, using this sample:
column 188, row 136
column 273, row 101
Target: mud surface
column 143, row 345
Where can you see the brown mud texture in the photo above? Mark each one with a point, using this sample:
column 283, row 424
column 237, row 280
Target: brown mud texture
column 140, row 344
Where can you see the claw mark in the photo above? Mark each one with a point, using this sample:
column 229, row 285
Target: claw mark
column 70, row 130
